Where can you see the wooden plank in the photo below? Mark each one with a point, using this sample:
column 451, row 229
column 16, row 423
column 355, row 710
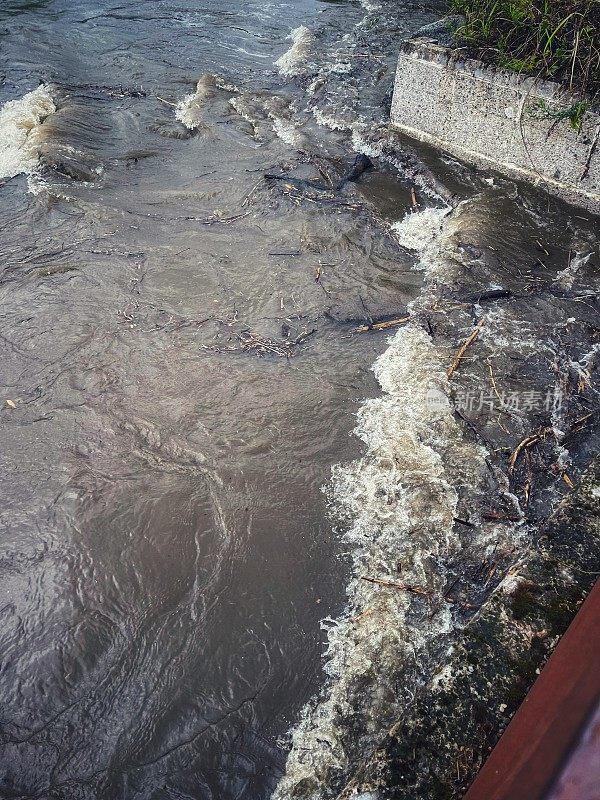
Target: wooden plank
column 535, row 746
column 580, row 779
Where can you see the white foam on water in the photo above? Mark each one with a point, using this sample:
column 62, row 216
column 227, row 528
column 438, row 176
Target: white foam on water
column 427, row 232
column 287, row 131
column 20, row 131
column 398, row 502
column 327, row 120
column 245, row 109
column 567, row 276
column 184, row 113
column 281, row 112
column 294, row 61
column 503, row 331
column 190, row 110
column 278, row 112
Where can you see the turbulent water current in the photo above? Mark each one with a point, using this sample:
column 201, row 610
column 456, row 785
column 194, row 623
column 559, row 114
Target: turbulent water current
column 240, row 524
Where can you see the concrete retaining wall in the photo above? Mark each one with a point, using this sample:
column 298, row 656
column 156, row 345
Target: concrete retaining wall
column 497, row 119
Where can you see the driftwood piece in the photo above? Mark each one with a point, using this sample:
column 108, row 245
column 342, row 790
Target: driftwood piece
column 488, row 294
column 456, row 363
column 381, row 326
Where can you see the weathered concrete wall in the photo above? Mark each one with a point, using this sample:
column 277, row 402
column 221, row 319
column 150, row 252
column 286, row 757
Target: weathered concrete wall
column 496, row 119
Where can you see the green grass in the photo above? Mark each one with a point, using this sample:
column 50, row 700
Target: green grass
column 574, row 113
column 556, row 39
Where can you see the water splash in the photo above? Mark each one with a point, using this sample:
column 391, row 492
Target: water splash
column 190, row 110
column 21, row 131
column 294, row 62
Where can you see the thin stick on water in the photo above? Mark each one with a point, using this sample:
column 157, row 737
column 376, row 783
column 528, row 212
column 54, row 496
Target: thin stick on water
column 456, row 363
column 526, row 443
column 381, row 326
column 413, row 199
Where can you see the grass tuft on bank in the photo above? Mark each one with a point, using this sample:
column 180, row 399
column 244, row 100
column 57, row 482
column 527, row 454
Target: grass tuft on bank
column 554, row 39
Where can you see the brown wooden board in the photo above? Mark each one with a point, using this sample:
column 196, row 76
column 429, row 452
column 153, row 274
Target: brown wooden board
column 553, row 724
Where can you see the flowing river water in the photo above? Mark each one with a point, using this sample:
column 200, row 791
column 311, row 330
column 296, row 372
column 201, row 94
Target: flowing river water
column 199, row 462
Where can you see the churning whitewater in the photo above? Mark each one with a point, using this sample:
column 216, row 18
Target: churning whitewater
column 399, row 503
column 20, row 131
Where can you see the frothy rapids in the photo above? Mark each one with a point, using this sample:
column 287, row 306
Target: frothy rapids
column 21, row 131
column 399, row 503
column 396, row 507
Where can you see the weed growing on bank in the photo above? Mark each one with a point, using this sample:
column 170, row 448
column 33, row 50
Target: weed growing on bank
column 555, row 39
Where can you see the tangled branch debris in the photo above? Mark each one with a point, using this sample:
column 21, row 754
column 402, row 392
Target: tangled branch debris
column 381, row 326
column 525, row 444
column 217, row 220
column 262, row 345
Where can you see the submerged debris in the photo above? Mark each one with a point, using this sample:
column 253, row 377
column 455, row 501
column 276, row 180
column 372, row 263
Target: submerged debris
column 250, row 342
column 394, row 585
column 526, row 443
column 299, row 186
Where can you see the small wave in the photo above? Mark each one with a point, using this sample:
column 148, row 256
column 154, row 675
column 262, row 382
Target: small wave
column 379, row 142
column 281, row 113
column 258, row 109
column 20, row 131
column 189, row 111
column 294, row 61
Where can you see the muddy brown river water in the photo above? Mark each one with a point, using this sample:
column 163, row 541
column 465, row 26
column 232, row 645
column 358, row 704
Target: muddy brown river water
column 186, row 513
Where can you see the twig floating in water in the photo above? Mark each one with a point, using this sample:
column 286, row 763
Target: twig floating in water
column 463, row 349
column 248, row 197
column 413, row 200
column 221, row 220
column 166, row 102
column 381, row 326
column 473, row 427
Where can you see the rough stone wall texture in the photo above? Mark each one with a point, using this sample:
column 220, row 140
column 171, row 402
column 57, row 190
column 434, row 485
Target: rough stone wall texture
column 436, row 749
column 497, row 119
